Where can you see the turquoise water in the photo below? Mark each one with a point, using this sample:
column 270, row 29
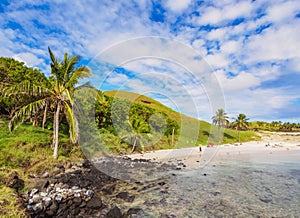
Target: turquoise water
column 232, row 188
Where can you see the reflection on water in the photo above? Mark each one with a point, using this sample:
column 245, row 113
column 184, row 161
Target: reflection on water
column 231, row 189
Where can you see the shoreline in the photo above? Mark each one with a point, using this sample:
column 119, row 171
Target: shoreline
column 264, row 151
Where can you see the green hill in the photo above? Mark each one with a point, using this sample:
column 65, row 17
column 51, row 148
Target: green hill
column 192, row 131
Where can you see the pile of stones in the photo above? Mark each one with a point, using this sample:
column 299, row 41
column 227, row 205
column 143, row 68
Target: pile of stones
column 61, row 200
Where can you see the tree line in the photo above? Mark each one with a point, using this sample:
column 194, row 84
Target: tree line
column 241, row 123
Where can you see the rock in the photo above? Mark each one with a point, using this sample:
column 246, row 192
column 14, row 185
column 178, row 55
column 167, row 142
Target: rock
column 115, row 212
column 266, row 199
column 58, row 198
column 161, row 183
column 33, row 192
column 37, row 183
column 50, row 213
column 13, row 181
column 94, row 203
column 216, row 193
column 47, row 201
column 77, row 201
column 125, row 196
column 77, row 195
column 46, row 184
column 37, row 207
column 110, row 189
column 53, row 207
column 45, row 175
column 135, row 212
column 43, row 194
column 89, row 193
column 36, row 198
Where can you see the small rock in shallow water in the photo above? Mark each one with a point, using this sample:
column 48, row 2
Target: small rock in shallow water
column 266, row 199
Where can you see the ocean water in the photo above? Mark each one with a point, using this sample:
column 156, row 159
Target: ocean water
column 233, row 187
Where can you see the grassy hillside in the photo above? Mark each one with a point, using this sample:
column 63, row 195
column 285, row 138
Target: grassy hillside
column 193, row 131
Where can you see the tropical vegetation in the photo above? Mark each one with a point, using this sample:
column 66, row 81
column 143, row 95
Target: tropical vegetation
column 240, row 123
column 221, row 120
column 54, row 93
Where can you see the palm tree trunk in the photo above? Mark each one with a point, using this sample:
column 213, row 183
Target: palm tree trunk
column 55, row 129
column 239, row 135
column 219, row 134
column 134, row 144
column 45, row 116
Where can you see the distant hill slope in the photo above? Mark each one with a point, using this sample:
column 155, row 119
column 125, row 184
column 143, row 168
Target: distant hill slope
column 192, row 131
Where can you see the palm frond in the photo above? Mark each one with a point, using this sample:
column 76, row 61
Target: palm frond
column 26, row 88
column 73, row 126
column 25, row 112
column 80, row 73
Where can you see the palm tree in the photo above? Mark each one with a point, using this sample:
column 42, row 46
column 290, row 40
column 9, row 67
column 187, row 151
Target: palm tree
column 55, row 92
column 220, row 119
column 240, row 122
column 138, row 128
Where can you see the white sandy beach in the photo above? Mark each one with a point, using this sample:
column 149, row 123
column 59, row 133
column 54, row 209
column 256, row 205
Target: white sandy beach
column 281, row 146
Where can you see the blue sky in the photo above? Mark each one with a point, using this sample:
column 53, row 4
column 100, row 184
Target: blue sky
column 252, row 48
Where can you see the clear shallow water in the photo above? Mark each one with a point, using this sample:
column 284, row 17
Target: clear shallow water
column 234, row 188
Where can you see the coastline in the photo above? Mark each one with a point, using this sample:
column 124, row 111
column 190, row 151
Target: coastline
column 273, row 147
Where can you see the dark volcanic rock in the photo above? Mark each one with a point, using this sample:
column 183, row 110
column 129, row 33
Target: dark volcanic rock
column 109, row 189
column 125, row 196
column 135, row 212
column 115, row 212
column 94, row 203
column 13, row 181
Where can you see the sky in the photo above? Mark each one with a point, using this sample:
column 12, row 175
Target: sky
column 193, row 56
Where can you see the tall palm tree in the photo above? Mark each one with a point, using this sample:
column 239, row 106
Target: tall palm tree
column 55, row 92
column 220, row 119
column 239, row 123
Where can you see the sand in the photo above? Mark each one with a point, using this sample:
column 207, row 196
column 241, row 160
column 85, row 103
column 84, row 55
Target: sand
column 273, row 147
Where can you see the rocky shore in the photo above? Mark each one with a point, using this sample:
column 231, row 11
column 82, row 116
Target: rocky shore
column 81, row 190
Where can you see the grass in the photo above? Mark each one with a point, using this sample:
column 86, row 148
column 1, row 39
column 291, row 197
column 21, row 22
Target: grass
column 193, row 132
column 27, row 151
column 10, row 206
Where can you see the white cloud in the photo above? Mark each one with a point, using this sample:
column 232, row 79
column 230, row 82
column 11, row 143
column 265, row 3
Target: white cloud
column 214, row 15
column 274, row 44
column 217, row 60
column 231, row 46
column 117, row 79
column 242, row 81
column 29, row 59
column 283, row 11
column 178, row 5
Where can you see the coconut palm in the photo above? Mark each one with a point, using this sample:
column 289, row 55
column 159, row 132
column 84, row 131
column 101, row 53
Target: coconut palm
column 240, row 123
column 138, row 129
column 54, row 93
column 221, row 120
